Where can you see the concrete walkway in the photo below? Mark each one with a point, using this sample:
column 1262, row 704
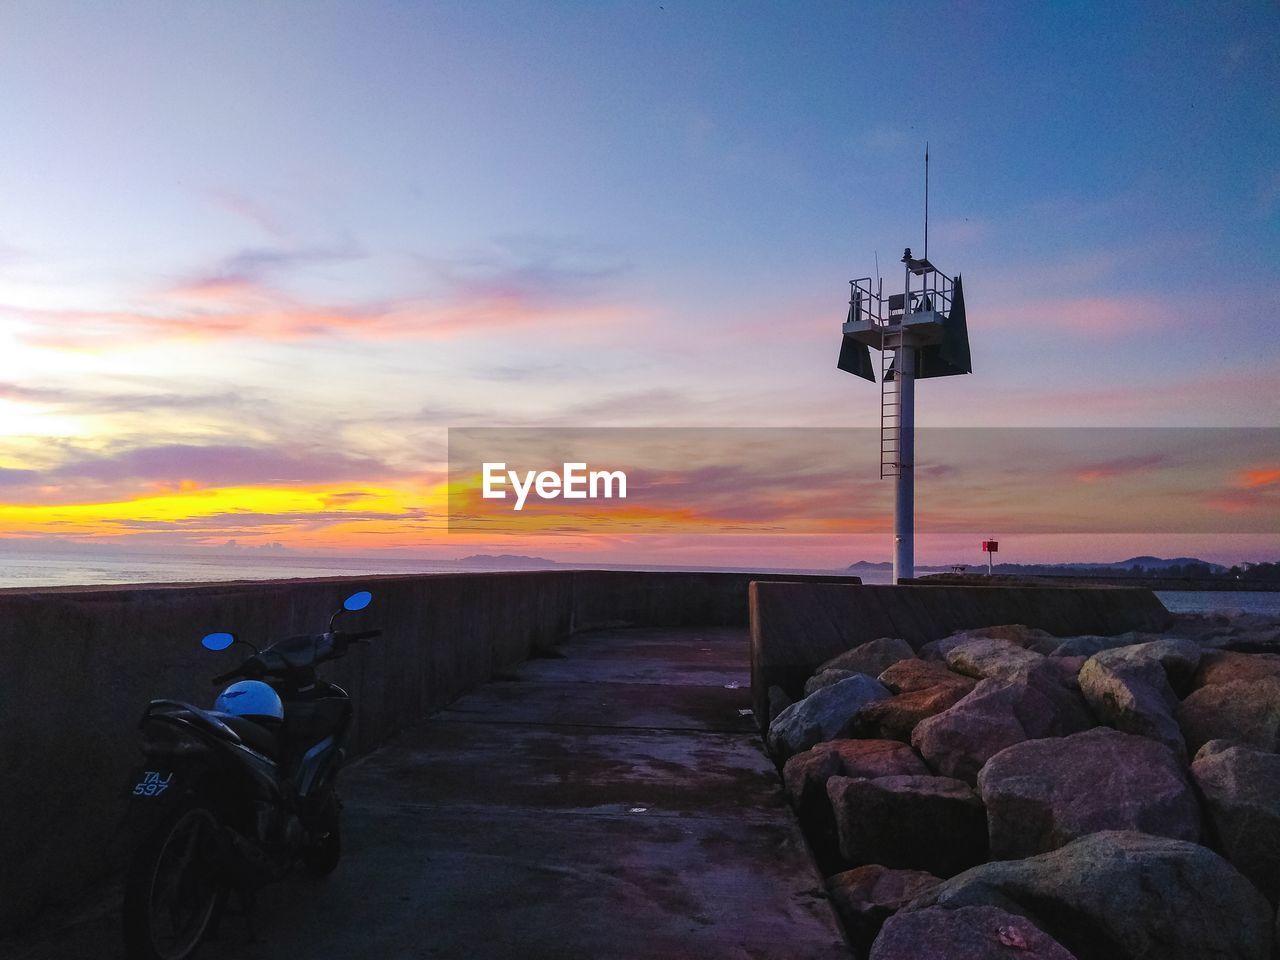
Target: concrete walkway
column 613, row 803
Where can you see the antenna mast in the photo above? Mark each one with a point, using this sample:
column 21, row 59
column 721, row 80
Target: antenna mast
column 926, row 199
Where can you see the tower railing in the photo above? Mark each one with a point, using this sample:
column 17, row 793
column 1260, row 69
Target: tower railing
column 931, row 290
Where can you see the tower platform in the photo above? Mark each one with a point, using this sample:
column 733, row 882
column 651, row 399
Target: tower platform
column 924, row 327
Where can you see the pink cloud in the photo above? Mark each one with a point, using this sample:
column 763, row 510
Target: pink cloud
column 528, row 284
column 1096, row 316
column 1119, row 467
column 1262, row 501
column 1211, row 399
column 218, row 289
column 230, row 308
column 1113, row 316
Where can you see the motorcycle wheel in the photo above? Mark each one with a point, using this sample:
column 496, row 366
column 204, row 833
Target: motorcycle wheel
column 322, row 855
column 173, row 888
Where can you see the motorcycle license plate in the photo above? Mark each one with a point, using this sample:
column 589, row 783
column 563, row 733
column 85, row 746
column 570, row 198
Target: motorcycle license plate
column 153, row 783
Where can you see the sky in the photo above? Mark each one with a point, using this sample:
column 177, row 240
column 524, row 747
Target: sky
column 257, row 259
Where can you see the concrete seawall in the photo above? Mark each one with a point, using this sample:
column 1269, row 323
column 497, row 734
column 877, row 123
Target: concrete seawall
column 797, row 626
column 1196, row 584
column 77, row 666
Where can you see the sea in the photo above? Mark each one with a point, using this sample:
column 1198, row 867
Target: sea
column 93, row 568
column 1266, row 602
column 32, row 570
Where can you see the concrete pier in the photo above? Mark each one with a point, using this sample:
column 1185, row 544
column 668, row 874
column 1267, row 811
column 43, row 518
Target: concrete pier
column 610, row 801
column 78, row 664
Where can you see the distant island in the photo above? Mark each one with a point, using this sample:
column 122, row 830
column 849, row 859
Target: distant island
column 506, row 560
column 1145, row 568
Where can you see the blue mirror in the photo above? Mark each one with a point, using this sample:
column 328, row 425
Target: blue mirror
column 218, row 641
column 357, row 601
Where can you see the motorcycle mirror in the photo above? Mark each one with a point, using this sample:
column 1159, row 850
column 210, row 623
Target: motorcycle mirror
column 357, row 601
column 218, row 641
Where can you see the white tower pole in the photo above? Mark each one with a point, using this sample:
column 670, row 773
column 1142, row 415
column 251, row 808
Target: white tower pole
column 904, row 492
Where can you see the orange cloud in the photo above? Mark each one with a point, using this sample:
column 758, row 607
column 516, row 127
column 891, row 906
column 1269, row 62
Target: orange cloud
column 1260, row 477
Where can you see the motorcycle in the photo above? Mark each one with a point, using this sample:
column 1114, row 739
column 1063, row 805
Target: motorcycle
column 232, row 798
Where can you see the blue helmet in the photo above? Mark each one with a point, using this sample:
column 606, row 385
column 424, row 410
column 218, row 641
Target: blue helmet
column 251, row 699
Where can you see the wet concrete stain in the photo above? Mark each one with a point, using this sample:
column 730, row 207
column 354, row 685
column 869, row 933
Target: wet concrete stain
column 611, row 802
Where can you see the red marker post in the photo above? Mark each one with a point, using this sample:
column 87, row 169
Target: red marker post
column 989, row 547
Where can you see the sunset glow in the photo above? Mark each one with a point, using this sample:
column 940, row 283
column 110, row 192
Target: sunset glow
column 256, row 261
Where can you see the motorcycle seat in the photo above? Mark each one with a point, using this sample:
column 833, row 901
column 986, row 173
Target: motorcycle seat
column 254, row 734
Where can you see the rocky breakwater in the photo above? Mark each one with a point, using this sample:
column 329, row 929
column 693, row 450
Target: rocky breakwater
column 1004, row 792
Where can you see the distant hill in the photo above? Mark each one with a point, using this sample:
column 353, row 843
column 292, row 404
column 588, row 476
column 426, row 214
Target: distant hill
column 1149, row 564
column 1157, row 563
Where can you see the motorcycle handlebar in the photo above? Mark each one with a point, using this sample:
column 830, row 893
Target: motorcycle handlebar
column 326, row 647
column 253, row 667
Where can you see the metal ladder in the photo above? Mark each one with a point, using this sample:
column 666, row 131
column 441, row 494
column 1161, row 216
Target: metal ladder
column 890, row 462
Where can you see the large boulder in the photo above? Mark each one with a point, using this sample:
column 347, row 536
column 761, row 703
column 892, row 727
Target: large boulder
column 1087, row 645
column 1254, row 633
column 996, row 715
column 1247, row 711
column 823, row 715
column 825, row 678
column 1229, row 666
column 921, row 689
column 1042, row 794
column 1057, row 678
column 967, row 933
column 806, row 774
column 1241, row 790
column 1231, row 630
column 909, row 676
column 984, row 657
column 916, row 823
column 865, row 897
column 1123, row 896
column 1177, row 657
column 871, row 658
column 1133, row 694
column 1031, row 638
column 937, row 650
